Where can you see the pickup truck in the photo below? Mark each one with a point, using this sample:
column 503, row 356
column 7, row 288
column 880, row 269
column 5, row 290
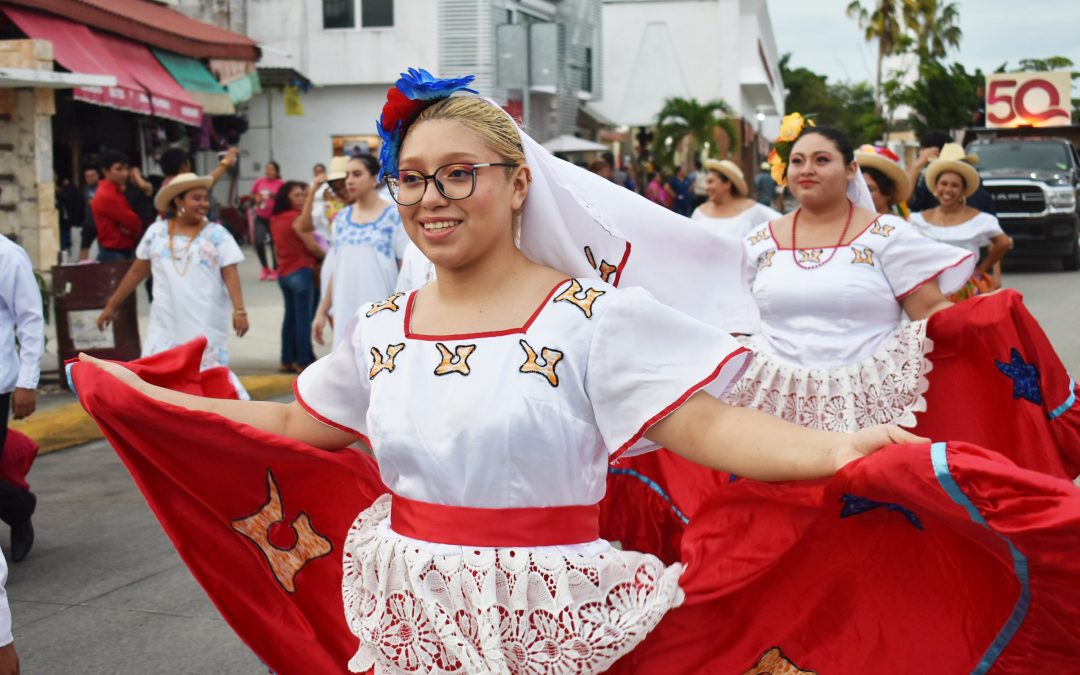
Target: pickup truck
column 1033, row 176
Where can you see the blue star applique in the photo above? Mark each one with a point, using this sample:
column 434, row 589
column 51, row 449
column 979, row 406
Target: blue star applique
column 1025, row 377
column 855, row 505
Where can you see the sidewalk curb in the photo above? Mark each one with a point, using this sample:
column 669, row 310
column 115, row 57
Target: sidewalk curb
column 68, row 425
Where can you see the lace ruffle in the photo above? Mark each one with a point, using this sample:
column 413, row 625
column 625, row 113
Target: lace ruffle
column 495, row 610
column 889, row 387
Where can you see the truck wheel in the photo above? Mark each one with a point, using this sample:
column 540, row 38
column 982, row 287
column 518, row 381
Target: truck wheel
column 1072, row 261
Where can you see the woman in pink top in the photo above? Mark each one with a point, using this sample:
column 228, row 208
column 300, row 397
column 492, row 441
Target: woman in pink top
column 263, row 191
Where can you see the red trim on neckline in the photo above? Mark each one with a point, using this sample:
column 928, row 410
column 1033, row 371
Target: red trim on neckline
column 937, row 274
column 325, row 420
column 472, row 336
column 622, row 266
column 815, row 248
column 497, row 528
column 678, row 402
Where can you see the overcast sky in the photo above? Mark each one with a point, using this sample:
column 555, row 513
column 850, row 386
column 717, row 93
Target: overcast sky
column 821, row 37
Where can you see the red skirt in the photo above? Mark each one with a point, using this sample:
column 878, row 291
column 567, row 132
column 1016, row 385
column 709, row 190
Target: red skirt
column 944, row 555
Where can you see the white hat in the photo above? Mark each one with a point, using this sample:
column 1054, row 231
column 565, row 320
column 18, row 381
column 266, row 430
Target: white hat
column 954, row 159
column 338, row 168
column 180, row 184
column 731, row 171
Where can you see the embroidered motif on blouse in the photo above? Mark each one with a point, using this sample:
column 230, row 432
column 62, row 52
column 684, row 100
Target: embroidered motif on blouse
column 582, row 300
column 550, row 357
column 862, row 256
column 380, row 363
column 390, row 304
column 458, row 362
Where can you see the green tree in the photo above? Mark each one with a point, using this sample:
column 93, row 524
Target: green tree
column 941, row 97
column 881, row 23
column 927, row 26
column 848, row 107
column 688, row 119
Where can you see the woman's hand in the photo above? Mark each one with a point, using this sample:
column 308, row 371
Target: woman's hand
column 240, row 323
column 870, row 440
column 319, row 325
column 106, row 317
column 115, row 369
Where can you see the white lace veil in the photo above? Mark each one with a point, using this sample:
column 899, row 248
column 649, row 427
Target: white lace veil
column 859, row 193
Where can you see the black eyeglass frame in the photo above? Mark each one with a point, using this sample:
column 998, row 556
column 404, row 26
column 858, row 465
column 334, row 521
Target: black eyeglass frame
column 392, row 181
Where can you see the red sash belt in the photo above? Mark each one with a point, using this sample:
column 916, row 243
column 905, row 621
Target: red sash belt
column 502, row 528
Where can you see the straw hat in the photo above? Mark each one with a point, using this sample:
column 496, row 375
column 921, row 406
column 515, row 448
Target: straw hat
column 731, row 171
column 886, row 161
column 178, row 186
column 953, row 158
column 337, row 170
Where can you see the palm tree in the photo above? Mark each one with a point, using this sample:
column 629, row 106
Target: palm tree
column 934, row 24
column 931, row 25
column 687, row 119
column 884, row 23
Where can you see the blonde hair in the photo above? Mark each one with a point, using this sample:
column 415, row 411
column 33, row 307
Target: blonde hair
column 490, row 124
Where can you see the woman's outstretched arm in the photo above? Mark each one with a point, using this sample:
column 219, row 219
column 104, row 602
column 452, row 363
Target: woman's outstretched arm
column 283, row 419
column 757, row 445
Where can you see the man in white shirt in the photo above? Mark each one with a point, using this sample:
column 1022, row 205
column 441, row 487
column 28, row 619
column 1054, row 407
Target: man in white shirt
column 9, row 660
column 20, row 366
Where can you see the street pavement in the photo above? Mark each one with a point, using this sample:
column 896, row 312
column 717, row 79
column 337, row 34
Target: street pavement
column 104, row 592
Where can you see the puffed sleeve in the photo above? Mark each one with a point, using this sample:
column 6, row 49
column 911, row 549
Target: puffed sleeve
column 990, row 228
column 229, row 252
column 646, row 359
column 334, row 389
column 910, row 260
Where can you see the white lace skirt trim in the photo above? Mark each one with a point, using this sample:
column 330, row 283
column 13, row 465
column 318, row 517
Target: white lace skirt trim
column 509, row 610
column 888, row 387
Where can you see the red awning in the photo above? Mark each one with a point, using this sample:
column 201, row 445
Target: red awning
column 143, row 86
column 168, row 98
column 153, row 24
column 76, row 48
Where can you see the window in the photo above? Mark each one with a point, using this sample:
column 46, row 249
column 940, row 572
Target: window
column 587, row 73
column 339, row 13
column 373, row 13
column 377, row 13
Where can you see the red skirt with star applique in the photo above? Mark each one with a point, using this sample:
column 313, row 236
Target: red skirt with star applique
column 949, row 555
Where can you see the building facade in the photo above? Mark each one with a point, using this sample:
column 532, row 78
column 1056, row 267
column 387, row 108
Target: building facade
column 347, row 53
column 699, row 49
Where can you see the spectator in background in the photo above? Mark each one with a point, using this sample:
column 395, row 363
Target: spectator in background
column 601, row 168
column 175, row 161
column 765, row 186
column 656, row 190
column 922, row 198
column 9, row 660
column 264, row 191
column 88, row 233
column 699, row 191
column 118, row 226
column 298, row 255
column 679, row 188
column 72, row 208
column 21, row 320
column 618, row 176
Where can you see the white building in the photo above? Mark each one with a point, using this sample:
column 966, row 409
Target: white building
column 700, row 49
column 347, row 53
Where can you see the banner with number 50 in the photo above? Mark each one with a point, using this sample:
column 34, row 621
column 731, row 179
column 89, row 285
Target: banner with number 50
column 1036, row 99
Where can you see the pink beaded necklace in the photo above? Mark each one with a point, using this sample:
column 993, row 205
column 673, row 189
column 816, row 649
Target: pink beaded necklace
column 795, row 246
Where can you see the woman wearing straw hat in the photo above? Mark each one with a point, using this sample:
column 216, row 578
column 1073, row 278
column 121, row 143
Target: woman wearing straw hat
column 196, row 284
column 953, row 179
column 728, row 210
column 889, row 184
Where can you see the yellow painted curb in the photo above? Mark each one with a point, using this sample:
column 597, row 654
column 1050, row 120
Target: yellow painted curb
column 68, row 425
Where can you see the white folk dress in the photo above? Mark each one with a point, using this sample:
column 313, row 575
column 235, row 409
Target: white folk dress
column 834, row 351
column 971, row 235
column 738, row 225
column 366, row 259
column 522, row 419
column 190, row 297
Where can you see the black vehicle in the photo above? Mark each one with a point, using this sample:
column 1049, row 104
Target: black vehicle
column 1033, row 176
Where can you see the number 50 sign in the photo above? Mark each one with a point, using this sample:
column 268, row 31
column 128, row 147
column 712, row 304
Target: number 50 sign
column 1038, row 99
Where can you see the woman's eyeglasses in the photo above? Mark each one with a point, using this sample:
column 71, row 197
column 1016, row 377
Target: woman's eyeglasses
column 453, row 181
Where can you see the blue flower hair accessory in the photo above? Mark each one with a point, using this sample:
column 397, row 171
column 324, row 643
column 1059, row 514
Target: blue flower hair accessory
column 414, row 91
